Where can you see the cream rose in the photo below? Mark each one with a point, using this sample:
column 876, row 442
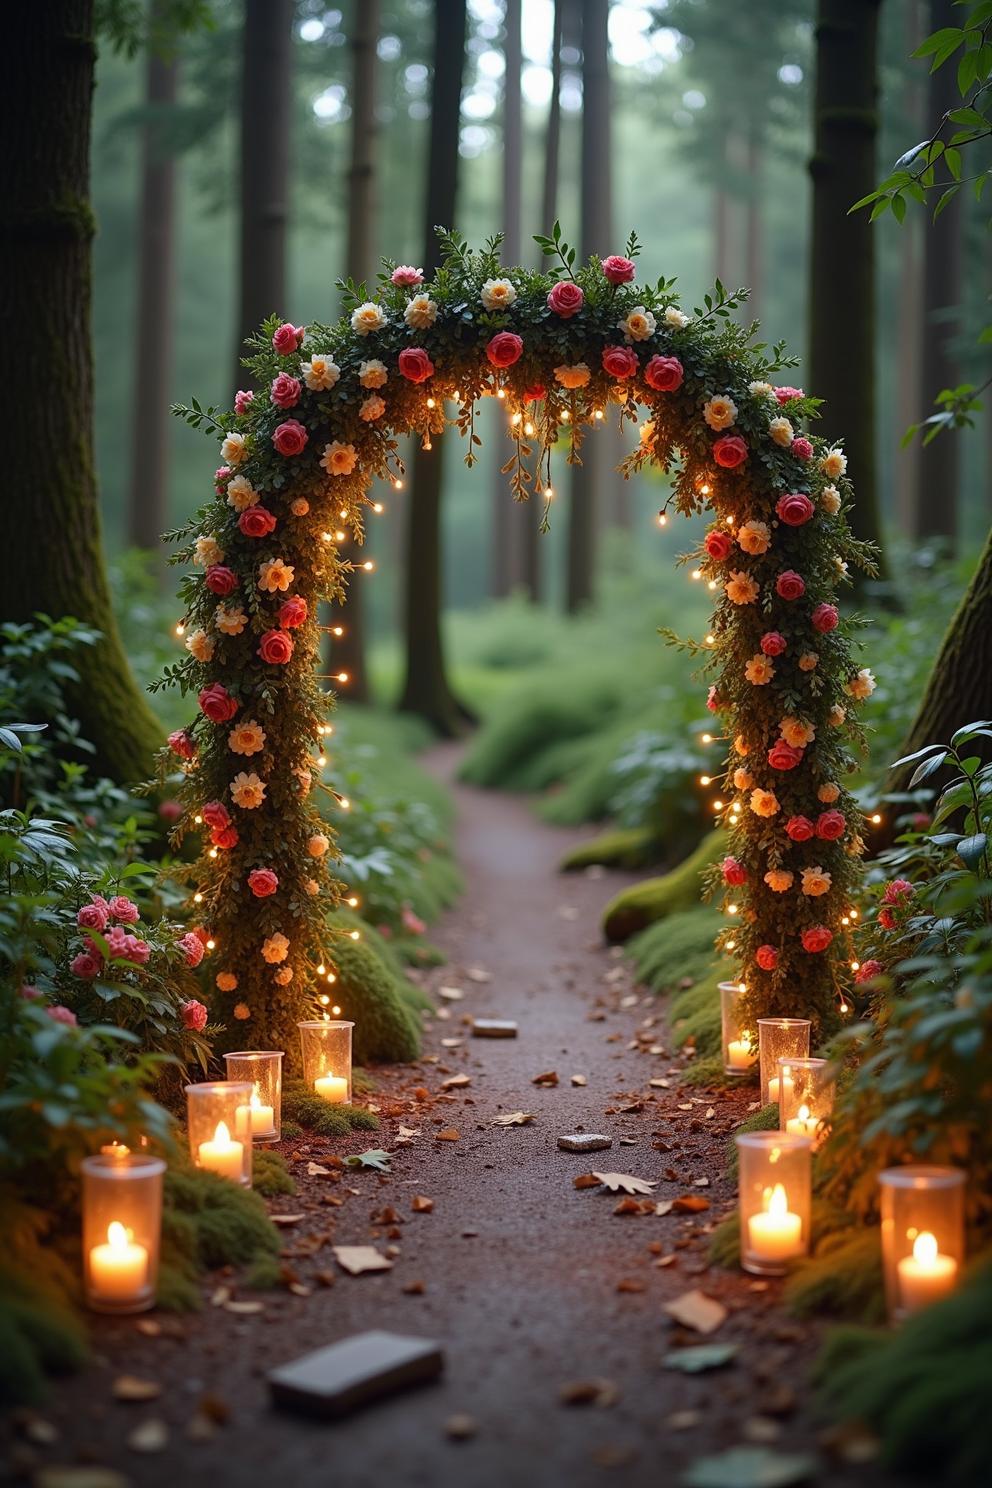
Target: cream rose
column 420, row 313
column 241, row 493
column 320, row 373
column 720, row 412
column 782, row 432
column 338, row 458
column 638, row 325
column 575, row 375
column 373, row 374
column 498, row 294
column 233, row 449
column 367, row 318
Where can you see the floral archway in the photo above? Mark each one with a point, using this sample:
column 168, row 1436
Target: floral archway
column 563, row 350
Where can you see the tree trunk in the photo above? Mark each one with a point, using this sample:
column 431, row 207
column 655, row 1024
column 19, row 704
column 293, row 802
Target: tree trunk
column 348, row 651
column 842, row 268
column 149, row 489
column 426, row 690
column 266, row 83
column 909, row 333
column 754, row 243
column 52, row 530
column 595, row 238
column 935, row 515
column 509, row 519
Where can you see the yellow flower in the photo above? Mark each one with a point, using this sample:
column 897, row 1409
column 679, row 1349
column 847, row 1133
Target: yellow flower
column 741, row 745
column 720, row 412
column 740, row 588
column 781, row 431
column 764, row 802
column 241, row 493
column 863, row 685
column 373, row 374
column 420, row 313
column 759, row 670
column 498, row 294
column 834, row 463
column 677, row 318
column 320, row 373
column 230, row 622
column 808, row 661
column 247, row 790
column 242, row 1011
column 574, row 376
column 837, row 715
column 816, row 882
column 226, row 981
column 318, row 845
column 367, row 318
column 233, row 449
column 754, row 537
column 830, row 500
column 743, row 779
column 275, row 575
column 797, row 732
column 828, row 793
column 299, row 506
column 283, row 976
column 247, row 737
column 276, row 948
column 638, row 325
column 372, row 408
column 779, row 880
column 208, row 551
column 338, row 458
column 200, row 646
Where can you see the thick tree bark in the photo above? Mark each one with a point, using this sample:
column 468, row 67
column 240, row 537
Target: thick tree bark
column 149, row 489
column 54, row 558
column 508, row 519
column 266, row 85
column 426, row 690
column 842, row 268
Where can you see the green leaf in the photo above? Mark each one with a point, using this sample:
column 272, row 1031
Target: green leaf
column 927, row 768
column 750, row 1467
column 972, row 849
column 701, row 1358
column 374, row 1158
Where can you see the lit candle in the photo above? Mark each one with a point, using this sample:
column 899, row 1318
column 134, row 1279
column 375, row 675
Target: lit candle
column 775, row 1234
column 118, row 1269
column 926, row 1275
column 256, row 1118
column 740, row 1052
column 803, row 1124
column 773, row 1088
column 333, row 1088
column 223, row 1155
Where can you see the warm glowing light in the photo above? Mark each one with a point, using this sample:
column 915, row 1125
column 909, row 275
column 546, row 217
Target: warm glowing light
column 876, row 820
column 397, row 485
column 549, row 493
column 731, row 945
column 118, row 1238
column 343, row 514
column 198, row 820
column 353, row 901
column 321, row 969
column 924, row 1248
column 212, row 853
column 778, row 1202
column 853, row 913
column 369, row 566
column 717, row 805
column 855, row 965
column 430, row 403
column 324, row 999
column 337, row 630
column 844, row 1008
column 501, row 393
column 325, row 537
column 516, row 419
column 378, row 508
column 710, row 640
column 197, row 898
column 565, row 415
column 733, row 909
column 180, row 629
column 705, row 779
column 697, row 573
column 598, row 413
column 342, row 677
column 322, row 760
column 340, row 536
column 336, row 1011
column 355, row 934
column 211, row 945
column 344, row 803
column 662, row 520
column 704, row 489
column 528, row 427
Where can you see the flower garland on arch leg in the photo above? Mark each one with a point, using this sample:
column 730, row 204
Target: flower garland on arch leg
column 559, row 349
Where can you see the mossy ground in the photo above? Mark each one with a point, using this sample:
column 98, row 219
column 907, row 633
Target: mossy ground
column 372, row 990
column 642, row 905
column 310, row 1113
column 623, row 847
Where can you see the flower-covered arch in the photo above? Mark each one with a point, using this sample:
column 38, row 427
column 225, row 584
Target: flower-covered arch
column 563, row 350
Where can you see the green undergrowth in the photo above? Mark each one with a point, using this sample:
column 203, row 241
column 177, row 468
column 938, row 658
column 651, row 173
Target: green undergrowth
column 42, row 1332
column 622, row 847
column 209, row 1222
column 373, row 991
column 311, row 1113
column 676, row 950
column 635, row 908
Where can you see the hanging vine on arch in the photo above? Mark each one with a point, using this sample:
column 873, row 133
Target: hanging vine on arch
column 562, row 349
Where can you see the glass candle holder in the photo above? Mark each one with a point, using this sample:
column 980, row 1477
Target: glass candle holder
column 775, row 1198
column 326, row 1046
column 806, row 1090
column 922, row 1235
column 122, row 1230
column 739, row 1048
column 262, row 1068
column 220, row 1128
column 779, row 1038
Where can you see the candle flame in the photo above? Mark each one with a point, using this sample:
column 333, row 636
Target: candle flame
column 256, row 1096
column 925, row 1248
column 803, row 1113
column 221, row 1135
column 117, row 1236
column 777, row 1202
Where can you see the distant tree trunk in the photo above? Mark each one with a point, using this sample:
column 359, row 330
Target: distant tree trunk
column 508, row 518
column 722, row 207
column 909, row 333
column 754, row 243
column 595, row 234
column 552, row 138
column 842, row 269
column 52, row 540
column 266, row 83
column 149, row 488
column 936, row 514
column 348, row 651
column 426, row 690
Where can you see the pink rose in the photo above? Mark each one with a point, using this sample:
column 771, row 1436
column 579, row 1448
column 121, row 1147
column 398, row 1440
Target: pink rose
column 799, row 828
column 59, row 1014
column 224, row 837
column 412, row 923
column 733, row 872
column 136, row 951
column 718, row 544
column 802, row 449
column 730, row 451
column 217, row 704
column 256, row 521
column 216, row 814
column 290, row 438
column 886, row 918
column 830, row 825
column 285, row 392
column 192, row 947
column 786, row 394
column 220, row 580
column 92, row 917
column 276, row 647
column 406, row 276
column 773, row 643
column 766, row 957
column 170, row 811
column 664, row 373
column 123, row 909
column 28, row 992
column 790, row 585
column 868, row 971
column 898, row 891
column 292, row 612
column 620, row 361
column 180, row 743
column 288, row 338
column 825, row 617
column 243, row 401
column 566, row 299
column 504, row 349
column 534, row 392
column 794, row 509
column 618, row 270
column 220, row 476
column 713, row 700
column 85, row 965
column 817, row 938
column 193, row 1013
column 414, row 364
column 262, row 882
column 783, row 756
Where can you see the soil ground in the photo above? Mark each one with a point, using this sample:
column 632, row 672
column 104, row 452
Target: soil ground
column 530, row 1285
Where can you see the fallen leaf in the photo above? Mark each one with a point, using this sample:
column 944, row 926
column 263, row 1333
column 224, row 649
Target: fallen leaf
column 624, row 1183
column 452, row 1043
column 663, row 1207
column 701, row 1357
column 407, row 1133
column 421, row 1205
column 750, row 1467
column 130, row 1388
column 315, row 1170
column 151, row 1436
column 631, row 1284
column 456, row 1082
column 710, row 1113
column 700, row 1183
column 219, row 1296
column 659, row 1084
column 684, row 1420
column 244, row 1309
column 586, row 1180
column 453, row 994
column 43, row 1433
column 690, row 1204
column 460, row 1427
column 696, row 1310
column 514, row 1118
column 850, row 1442
column 286, row 1219
column 374, row 1158
column 579, row 1080
column 630, row 1205
column 601, row 1392
column 477, row 974
column 150, row 1327
column 685, row 1106
column 414, row 1289
column 448, row 1134
column 357, row 1259
column 550, row 1077
column 762, row 1430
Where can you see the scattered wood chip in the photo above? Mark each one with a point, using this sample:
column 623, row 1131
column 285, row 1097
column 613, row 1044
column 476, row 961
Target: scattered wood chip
column 701, row 1357
column 624, row 1183
column 663, row 1207
column 451, row 994
column 150, row 1327
column 700, row 1183
column 631, row 1284
column 460, row 1427
column 550, row 1077
column 456, row 1082
column 761, row 1430
column 494, row 1028
column 684, row 1420
column 601, row 1392
column 568, row 912
column 579, row 1080
column 316, row 1170
column 452, row 1043
column 286, row 1219
column 659, row 1084
column 420, row 1204
column 514, row 1118
column 151, row 1436
column 697, row 1311
column 357, row 1259
column 448, row 1134
column 478, row 974
column 244, row 1309
column 413, row 1288
column 750, row 1467
column 128, row 1387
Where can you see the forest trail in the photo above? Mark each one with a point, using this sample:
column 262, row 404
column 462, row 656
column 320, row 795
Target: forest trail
column 528, row 1284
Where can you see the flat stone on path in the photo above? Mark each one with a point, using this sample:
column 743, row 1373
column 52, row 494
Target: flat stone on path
column 584, row 1142
column 337, row 1379
column 493, row 1028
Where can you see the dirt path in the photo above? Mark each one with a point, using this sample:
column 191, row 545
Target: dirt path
column 527, row 1283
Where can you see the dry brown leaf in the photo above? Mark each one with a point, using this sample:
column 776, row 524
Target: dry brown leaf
column 244, row 1309
column 630, row 1205
column 452, row 994
column 586, row 1180
column 601, row 1392
column 579, row 1080
column 316, row 1170
column 130, row 1388
column 514, row 1118
column 357, row 1259
column 456, row 1082
column 286, row 1219
column 663, row 1207
column 631, row 1284
column 690, row 1204
column 460, row 1427
column 448, row 1134
column 421, row 1205
column 550, row 1077
column 684, row 1420
column 697, row 1311
column 624, row 1183
column 477, row 974
column 414, row 1288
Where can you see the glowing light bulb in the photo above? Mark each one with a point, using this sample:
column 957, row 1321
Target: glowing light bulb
column 212, row 853
column 565, row 415
column 549, row 493
column 528, row 427
column 337, row 630
column 733, row 909
column 353, row 901
column 342, row 676
column 354, row 934
column 397, row 485
column 704, row 489
column 516, row 419
column 662, row 520
column 343, row 514
column 712, row 584
column 705, row 779
column 598, row 413
column 326, row 537
column 336, row 1011
column 731, row 945
column 710, row 640
column 197, row 898
column 876, row 819
column 697, row 573
column 324, row 999
column 378, row 508
column 853, row 913
column 855, row 965
column 322, row 760
column 717, row 805
column 369, row 567
column 322, row 969
column 198, row 820
column 180, row 628
column 211, row 945
column 430, row 403
column 706, row 738
column 501, row 392
column 844, row 1008
column 344, row 803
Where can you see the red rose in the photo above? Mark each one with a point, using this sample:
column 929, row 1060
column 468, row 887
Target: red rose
column 730, row 451
column 534, row 393
column 886, row 918
column 825, row 617
column 773, row 643
column 285, row 391
column 194, row 1014
column 290, row 438
column 794, row 509
column 896, row 892
column 783, row 756
column 288, row 338
column 262, row 882
column 620, row 361
column 220, row 580
column 566, row 299
column 830, row 825
column 217, row 703
column 415, row 364
column 868, row 971
column 618, row 270
column 664, row 373
column 802, row 449
column 202, row 932
column 766, row 957
column 256, row 521
column 193, row 947
column 276, row 647
column 292, row 612
column 734, row 874
column 790, row 585
column 799, row 828
column 718, row 544
column 714, row 702
column 225, row 837
column 503, row 350
column 180, row 743
column 786, row 394
column 215, row 814
column 817, row 938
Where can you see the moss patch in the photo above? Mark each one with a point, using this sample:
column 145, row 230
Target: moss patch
column 652, row 900
column 624, row 847
column 367, row 990
column 208, row 1222
column 311, row 1114
column 677, row 949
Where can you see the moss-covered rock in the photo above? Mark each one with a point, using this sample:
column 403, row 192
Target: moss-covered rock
column 386, row 1027
column 310, row 1113
column 208, row 1222
column 623, row 847
column 843, row 1278
column 641, row 905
